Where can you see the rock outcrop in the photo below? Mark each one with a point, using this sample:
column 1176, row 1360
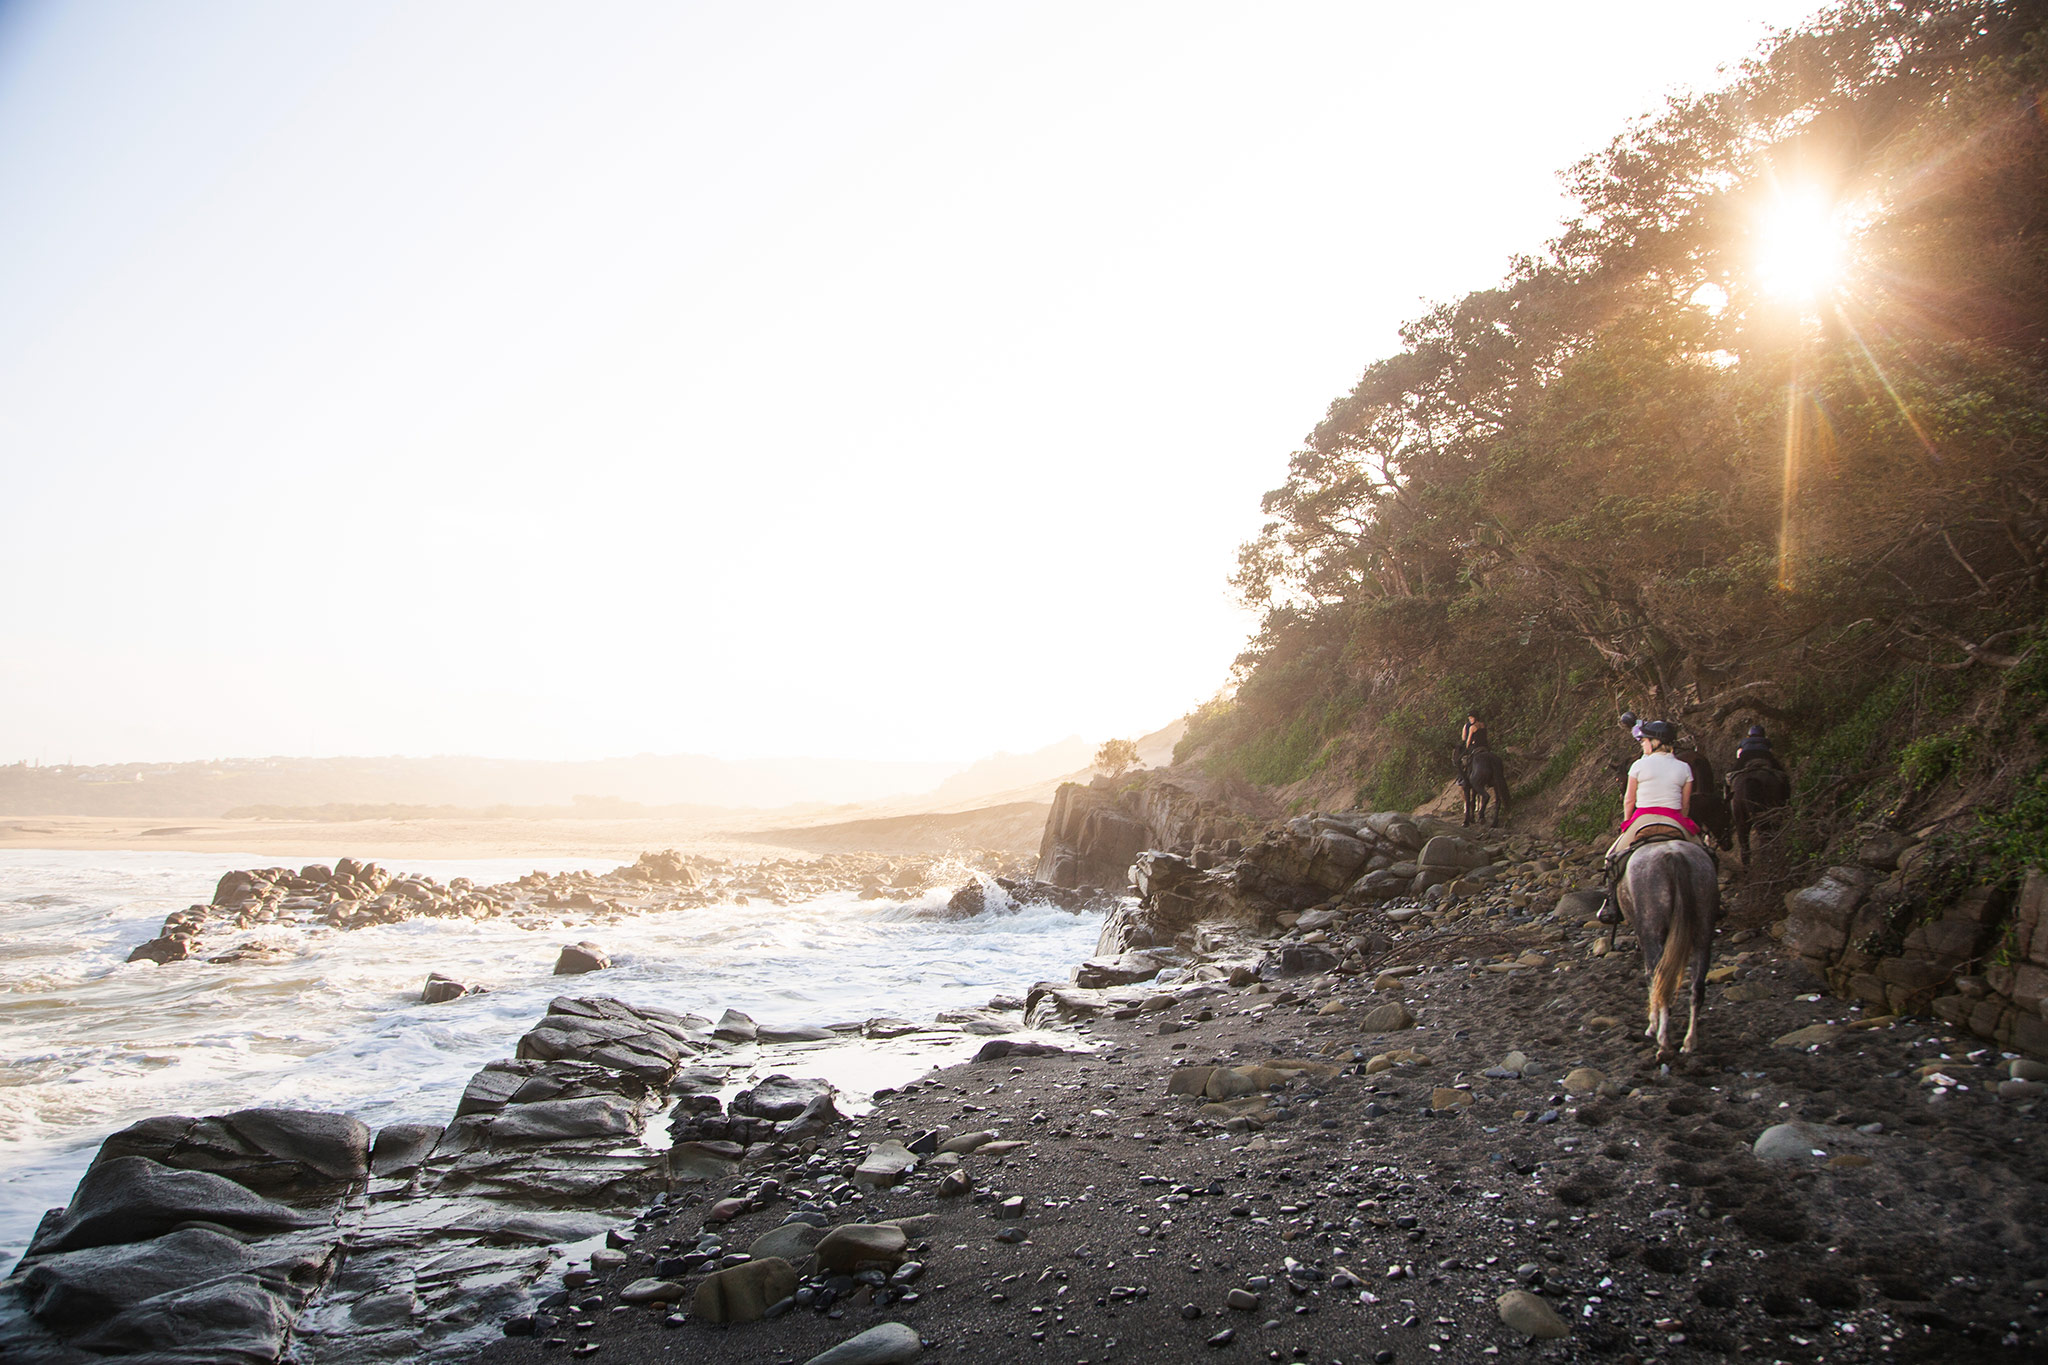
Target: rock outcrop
column 1980, row 963
column 1096, row 831
column 1323, row 860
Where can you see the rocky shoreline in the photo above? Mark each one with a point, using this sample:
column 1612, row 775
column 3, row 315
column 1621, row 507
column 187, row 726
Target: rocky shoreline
column 354, row 895
column 1359, row 1087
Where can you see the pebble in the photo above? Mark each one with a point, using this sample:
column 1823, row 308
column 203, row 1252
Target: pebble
column 1224, row 1337
column 1811, row 1035
column 651, row 1291
column 1583, row 1080
column 1790, row 1142
column 1243, row 1300
column 1388, row 1018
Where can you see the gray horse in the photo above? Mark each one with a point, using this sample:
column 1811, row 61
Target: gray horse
column 1672, row 895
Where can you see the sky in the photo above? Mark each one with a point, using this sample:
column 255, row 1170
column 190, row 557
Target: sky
column 887, row 381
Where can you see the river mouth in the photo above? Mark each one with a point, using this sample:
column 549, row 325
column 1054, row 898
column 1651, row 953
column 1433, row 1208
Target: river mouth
column 331, row 1020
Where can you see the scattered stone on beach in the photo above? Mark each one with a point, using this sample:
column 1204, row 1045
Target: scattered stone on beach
column 577, row 958
column 1583, row 1080
column 792, row 1242
column 884, row 1344
column 1388, row 1018
column 1810, row 1036
column 1531, row 1316
column 849, row 1246
column 1791, row 1142
column 885, row 1164
column 743, row 1293
column 650, row 1290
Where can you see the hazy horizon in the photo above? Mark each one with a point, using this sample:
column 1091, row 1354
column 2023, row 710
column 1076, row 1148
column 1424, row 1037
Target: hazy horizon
column 890, row 383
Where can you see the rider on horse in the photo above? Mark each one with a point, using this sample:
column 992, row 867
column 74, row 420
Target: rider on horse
column 1755, row 749
column 1471, row 736
column 1658, row 802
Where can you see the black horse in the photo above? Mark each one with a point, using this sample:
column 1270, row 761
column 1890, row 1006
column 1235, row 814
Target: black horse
column 1709, row 811
column 1757, row 796
column 1485, row 780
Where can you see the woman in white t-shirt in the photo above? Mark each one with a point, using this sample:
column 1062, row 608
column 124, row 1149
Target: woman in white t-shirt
column 1659, row 783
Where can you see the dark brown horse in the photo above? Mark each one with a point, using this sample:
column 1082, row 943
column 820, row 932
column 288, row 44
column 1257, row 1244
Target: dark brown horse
column 1709, row 809
column 1485, row 780
column 1757, row 796
column 1672, row 895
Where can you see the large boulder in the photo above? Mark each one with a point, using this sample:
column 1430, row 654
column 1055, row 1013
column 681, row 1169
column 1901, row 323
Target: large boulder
column 273, row 1151
column 231, row 1320
column 780, row 1097
column 589, row 1116
column 647, row 1043
column 578, row 958
column 1125, row 969
column 1334, row 858
column 1448, row 851
column 170, row 948
column 132, row 1199
column 71, row 1290
column 1817, row 917
column 440, row 989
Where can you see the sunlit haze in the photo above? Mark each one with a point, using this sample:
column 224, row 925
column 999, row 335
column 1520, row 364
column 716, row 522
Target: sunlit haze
column 879, row 381
column 1800, row 246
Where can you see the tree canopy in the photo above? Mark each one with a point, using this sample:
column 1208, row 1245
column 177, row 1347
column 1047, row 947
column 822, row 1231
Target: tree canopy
column 1774, row 403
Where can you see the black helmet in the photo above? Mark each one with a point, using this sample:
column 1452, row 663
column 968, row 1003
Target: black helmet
column 1628, row 720
column 1756, row 732
column 1663, row 731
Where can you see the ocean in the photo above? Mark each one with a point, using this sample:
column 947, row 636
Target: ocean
column 90, row 1042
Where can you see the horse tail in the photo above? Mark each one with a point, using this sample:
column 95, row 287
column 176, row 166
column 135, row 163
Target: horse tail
column 1678, row 941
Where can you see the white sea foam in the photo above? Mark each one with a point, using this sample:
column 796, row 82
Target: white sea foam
column 90, row 1042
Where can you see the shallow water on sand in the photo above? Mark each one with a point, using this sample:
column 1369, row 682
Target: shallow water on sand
column 90, row 1042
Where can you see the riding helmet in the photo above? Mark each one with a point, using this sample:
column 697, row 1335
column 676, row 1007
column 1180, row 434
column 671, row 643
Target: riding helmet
column 1756, row 732
column 1663, row 731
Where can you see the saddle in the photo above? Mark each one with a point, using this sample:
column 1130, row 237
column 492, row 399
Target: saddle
column 1654, row 829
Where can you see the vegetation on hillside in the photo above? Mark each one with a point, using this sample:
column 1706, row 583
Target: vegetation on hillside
column 1762, row 434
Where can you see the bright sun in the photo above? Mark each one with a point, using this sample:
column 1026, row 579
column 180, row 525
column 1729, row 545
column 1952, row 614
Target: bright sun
column 1800, row 248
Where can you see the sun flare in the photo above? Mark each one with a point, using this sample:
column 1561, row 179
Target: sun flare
column 1801, row 246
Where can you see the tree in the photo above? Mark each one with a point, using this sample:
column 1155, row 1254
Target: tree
column 1116, row 757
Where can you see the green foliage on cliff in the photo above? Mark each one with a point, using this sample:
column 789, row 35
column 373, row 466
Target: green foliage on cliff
column 1635, row 474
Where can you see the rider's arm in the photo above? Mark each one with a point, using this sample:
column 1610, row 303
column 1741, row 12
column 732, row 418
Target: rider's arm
column 1685, row 801
column 1628, row 803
